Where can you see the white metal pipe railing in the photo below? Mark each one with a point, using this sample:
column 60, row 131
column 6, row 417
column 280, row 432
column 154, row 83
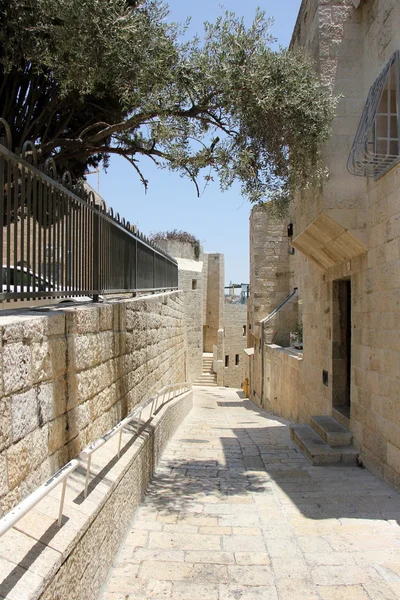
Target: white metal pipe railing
column 26, row 505
column 15, row 514
column 86, row 453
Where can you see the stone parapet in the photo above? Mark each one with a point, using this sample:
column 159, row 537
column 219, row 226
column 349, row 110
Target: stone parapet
column 181, row 249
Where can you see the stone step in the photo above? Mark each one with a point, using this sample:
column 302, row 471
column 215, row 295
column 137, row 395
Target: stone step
column 332, row 432
column 317, row 451
column 200, row 384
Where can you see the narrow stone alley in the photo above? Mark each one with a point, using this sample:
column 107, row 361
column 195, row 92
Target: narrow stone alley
column 235, row 512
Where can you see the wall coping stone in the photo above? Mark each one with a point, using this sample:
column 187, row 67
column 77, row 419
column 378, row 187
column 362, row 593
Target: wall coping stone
column 290, row 352
column 21, row 314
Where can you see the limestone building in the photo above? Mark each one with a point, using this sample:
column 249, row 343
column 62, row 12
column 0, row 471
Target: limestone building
column 233, row 343
column 192, row 281
column 216, row 330
column 342, row 283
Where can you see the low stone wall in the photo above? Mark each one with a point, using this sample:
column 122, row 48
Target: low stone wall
column 182, row 249
column 69, row 374
column 85, row 570
column 283, row 383
column 72, row 562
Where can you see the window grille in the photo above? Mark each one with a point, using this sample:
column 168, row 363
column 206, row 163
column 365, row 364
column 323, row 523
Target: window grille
column 376, row 146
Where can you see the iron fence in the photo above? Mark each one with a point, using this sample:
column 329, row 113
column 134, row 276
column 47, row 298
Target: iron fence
column 57, row 240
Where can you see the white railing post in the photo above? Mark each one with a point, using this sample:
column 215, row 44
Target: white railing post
column 138, row 423
column 152, row 405
column 89, row 460
column 60, row 512
column 120, row 442
column 16, row 513
column 166, row 393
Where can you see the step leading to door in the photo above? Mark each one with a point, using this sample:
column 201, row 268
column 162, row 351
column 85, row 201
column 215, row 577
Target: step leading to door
column 317, row 451
column 332, row 432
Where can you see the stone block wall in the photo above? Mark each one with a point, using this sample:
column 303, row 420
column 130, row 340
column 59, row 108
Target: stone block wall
column 70, row 374
column 219, row 358
column 190, row 282
column 284, row 383
column 180, row 249
column 269, row 265
column 234, row 343
column 270, row 284
column 215, row 300
column 332, row 32
column 351, row 47
column 205, row 292
column 360, row 42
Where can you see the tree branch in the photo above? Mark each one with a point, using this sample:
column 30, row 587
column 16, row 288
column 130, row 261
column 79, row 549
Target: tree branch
column 134, row 165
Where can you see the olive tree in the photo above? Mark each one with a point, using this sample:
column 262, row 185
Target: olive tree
column 86, row 79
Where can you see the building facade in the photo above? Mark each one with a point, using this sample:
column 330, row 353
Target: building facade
column 214, row 326
column 346, row 237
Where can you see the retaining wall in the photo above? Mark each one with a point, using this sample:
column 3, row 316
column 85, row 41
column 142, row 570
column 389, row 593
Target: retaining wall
column 69, row 374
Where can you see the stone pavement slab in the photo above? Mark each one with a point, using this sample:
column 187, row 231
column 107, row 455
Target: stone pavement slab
column 235, row 512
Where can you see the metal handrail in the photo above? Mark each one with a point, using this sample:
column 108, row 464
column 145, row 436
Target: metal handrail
column 12, row 517
column 58, row 241
column 280, row 305
column 86, row 453
column 21, row 509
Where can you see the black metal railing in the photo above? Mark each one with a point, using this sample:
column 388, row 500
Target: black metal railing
column 57, row 240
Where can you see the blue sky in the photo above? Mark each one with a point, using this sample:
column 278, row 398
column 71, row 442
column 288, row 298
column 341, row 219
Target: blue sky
column 219, row 220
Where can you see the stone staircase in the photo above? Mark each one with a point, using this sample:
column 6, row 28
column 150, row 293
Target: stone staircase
column 207, row 377
column 325, row 442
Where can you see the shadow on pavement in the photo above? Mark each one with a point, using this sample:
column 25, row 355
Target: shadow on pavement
column 262, row 460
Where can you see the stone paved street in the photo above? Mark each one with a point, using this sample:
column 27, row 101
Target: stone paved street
column 236, row 513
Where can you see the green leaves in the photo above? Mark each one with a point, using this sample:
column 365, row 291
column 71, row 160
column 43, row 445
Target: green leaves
column 90, row 78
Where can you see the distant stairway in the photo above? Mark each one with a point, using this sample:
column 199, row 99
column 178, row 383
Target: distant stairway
column 325, row 442
column 207, row 377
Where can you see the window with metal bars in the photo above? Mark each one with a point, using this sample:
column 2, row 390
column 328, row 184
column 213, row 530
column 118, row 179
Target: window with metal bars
column 376, row 147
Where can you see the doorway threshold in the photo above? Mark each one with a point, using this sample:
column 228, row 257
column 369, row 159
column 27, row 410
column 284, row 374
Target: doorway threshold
column 342, row 415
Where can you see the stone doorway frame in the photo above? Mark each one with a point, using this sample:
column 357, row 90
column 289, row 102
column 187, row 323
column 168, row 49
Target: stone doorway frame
column 341, row 347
